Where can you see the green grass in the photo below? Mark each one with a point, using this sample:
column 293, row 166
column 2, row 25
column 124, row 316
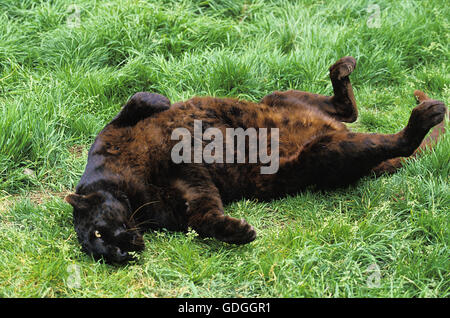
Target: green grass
column 59, row 85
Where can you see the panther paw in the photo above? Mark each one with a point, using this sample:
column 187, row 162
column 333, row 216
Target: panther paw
column 426, row 115
column 238, row 232
column 343, row 67
column 420, row 96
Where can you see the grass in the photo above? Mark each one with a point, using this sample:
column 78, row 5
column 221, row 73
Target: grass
column 63, row 76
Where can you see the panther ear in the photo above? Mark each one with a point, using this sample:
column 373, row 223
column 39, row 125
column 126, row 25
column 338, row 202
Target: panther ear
column 84, row 202
column 140, row 106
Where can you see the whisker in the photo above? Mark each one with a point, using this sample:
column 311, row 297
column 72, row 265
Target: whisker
column 136, row 226
column 143, row 222
column 145, row 204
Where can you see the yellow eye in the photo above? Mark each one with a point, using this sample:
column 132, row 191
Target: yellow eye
column 97, row 234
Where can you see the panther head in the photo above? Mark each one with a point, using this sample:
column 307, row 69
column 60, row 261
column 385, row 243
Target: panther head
column 103, row 225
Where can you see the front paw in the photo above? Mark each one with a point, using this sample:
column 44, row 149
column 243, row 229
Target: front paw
column 235, row 231
column 343, row 67
column 426, row 115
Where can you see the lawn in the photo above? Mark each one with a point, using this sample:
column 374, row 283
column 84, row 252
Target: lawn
column 67, row 66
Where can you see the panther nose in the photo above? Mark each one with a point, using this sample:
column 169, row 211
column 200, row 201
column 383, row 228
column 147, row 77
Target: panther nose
column 121, row 253
column 121, row 256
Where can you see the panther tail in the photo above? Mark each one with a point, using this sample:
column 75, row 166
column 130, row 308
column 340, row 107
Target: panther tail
column 392, row 165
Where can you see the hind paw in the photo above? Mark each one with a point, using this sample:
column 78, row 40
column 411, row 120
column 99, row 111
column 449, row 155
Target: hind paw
column 420, row 96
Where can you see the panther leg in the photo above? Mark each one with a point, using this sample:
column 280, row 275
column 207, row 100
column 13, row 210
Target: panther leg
column 343, row 102
column 205, row 210
column 341, row 106
column 391, row 165
column 341, row 158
